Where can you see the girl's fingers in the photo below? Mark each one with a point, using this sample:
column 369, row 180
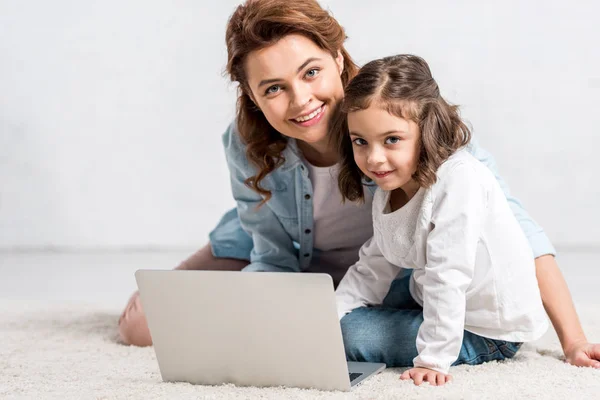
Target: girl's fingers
column 430, row 377
column 418, row 378
column 441, row 379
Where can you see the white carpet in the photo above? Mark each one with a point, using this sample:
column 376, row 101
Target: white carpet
column 62, row 352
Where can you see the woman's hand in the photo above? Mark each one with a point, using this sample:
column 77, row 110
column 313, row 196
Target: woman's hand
column 420, row 375
column 583, row 354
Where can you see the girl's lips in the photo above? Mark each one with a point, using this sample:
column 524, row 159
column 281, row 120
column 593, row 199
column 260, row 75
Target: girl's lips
column 381, row 174
column 315, row 120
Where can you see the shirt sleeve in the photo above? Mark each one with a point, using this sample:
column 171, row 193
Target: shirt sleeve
column 273, row 249
column 538, row 241
column 367, row 282
column 458, row 213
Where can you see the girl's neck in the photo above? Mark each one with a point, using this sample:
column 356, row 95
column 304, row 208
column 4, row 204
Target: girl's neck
column 402, row 195
column 319, row 154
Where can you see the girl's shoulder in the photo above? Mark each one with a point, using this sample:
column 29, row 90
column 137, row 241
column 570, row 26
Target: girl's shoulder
column 460, row 157
column 462, row 169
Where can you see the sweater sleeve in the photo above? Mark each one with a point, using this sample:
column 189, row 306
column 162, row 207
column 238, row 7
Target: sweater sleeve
column 458, row 213
column 367, row 282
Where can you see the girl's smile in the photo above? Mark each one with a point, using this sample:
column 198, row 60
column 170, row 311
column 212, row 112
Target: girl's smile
column 381, row 174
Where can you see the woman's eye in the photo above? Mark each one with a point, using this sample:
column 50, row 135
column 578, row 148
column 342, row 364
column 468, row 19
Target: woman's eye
column 392, row 140
column 359, row 142
column 311, row 73
column 272, row 89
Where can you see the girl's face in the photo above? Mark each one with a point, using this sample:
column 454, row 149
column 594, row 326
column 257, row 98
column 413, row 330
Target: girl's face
column 386, row 147
column 296, row 85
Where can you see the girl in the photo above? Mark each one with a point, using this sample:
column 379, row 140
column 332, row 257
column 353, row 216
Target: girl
column 437, row 211
column 289, row 60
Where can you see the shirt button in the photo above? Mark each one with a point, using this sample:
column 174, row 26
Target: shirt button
column 306, row 254
column 307, row 231
column 307, row 196
column 302, row 167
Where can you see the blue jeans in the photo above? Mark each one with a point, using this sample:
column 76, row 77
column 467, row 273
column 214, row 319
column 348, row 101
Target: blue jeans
column 388, row 333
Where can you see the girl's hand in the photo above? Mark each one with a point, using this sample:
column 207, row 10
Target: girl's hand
column 420, row 375
column 583, row 354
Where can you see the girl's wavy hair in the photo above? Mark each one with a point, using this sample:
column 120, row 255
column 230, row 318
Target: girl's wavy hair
column 403, row 86
column 257, row 24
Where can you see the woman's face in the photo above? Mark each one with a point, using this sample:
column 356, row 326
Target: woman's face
column 296, row 85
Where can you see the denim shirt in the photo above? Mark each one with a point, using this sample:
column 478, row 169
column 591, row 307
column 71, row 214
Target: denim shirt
column 278, row 235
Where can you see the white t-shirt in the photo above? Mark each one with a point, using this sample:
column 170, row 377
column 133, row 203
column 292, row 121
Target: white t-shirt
column 339, row 229
column 473, row 267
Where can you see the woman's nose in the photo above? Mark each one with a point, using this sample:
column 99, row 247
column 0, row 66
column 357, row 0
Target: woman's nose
column 301, row 96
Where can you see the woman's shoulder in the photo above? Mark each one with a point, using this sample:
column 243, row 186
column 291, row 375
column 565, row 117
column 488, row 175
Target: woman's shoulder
column 232, row 142
column 235, row 148
column 235, row 151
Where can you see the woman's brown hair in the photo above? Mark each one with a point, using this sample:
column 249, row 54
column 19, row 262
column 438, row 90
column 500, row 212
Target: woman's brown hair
column 257, row 24
column 404, row 87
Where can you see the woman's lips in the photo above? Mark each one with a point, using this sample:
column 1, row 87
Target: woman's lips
column 318, row 115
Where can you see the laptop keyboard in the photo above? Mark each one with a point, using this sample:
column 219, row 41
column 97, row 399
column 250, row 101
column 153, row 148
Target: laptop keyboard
column 354, row 375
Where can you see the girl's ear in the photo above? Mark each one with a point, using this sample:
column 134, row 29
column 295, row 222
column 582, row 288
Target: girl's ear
column 340, row 62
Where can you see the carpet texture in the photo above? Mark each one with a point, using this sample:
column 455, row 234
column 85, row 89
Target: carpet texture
column 71, row 352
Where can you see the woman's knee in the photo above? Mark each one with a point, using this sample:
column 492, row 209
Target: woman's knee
column 133, row 326
column 204, row 259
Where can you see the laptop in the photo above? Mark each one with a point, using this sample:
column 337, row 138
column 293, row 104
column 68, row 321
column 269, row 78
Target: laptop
column 249, row 329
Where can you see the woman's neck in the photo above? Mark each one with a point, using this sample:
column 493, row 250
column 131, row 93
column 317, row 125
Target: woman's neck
column 319, row 154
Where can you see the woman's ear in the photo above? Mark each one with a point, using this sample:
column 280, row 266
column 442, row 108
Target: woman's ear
column 251, row 97
column 340, row 62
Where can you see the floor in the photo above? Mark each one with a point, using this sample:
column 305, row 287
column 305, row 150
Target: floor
column 106, row 279
column 68, row 350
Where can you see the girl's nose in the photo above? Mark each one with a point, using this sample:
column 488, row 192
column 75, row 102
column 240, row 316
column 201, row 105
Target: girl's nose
column 375, row 157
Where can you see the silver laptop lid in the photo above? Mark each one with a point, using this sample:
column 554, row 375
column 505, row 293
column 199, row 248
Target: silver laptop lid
column 258, row 329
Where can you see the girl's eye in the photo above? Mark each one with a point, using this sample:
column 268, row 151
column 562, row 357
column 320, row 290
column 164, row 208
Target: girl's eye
column 311, row 73
column 359, row 142
column 272, row 89
column 392, row 140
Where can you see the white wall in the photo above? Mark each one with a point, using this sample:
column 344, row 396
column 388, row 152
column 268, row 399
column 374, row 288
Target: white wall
column 111, row 112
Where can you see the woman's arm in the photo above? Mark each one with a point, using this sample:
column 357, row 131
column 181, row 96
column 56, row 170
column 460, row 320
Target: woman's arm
column 559, row 307
column 273, row 248
column 538, row 241
column 553, row 288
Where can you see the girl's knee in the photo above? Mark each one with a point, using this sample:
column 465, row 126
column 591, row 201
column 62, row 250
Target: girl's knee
column 478, row 350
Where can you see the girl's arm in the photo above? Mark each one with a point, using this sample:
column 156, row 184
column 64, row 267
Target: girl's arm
column 273, row 248
column 457, row 215
column 367, row 282
column 553, row 288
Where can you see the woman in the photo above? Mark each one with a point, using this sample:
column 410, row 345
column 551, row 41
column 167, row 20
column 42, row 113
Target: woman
column 291, row 66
